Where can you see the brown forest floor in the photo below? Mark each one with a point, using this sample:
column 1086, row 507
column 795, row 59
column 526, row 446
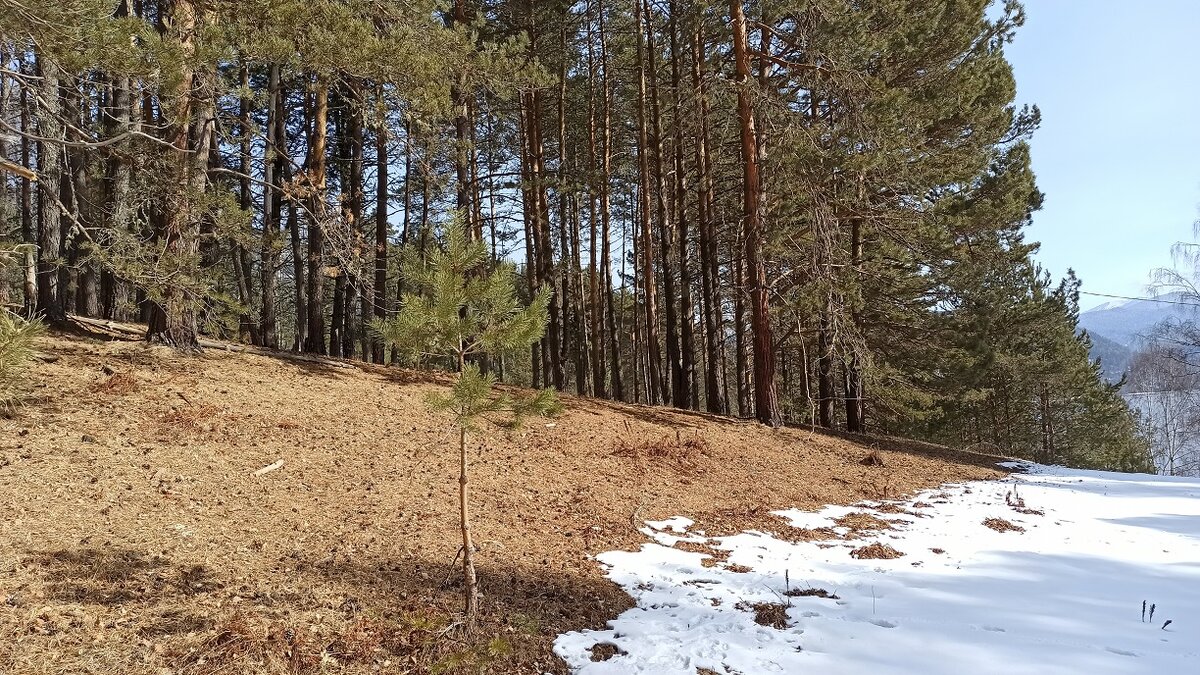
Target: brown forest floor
column 134, row 537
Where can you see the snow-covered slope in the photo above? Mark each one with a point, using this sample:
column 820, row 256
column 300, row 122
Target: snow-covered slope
column 1065, row 595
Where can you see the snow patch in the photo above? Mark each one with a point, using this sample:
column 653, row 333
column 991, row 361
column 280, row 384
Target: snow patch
column 1062, row 597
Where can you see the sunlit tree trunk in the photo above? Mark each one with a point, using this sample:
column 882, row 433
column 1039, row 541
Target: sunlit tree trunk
column 315, row 185
column 766, row 402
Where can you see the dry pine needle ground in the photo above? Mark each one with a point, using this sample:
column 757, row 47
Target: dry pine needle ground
column 137, row 540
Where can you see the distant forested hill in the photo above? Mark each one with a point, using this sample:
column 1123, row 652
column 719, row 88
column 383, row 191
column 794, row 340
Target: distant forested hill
column 1114, row 357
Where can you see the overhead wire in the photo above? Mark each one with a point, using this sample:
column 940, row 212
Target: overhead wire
column 1130, row 297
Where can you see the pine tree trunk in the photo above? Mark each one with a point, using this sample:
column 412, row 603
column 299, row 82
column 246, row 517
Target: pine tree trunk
column 460, row 98
column 82, row 209
column 685, row 387
column 544, row 262
column 248, row 328
column 825, row 388
column 337, row 318
column 68, row 274
column 49, row 159
column 528, row 208
column 6, row 96
column 354, row 219
column 273, row 159
column 120, row 115
column 595, row 274
column 300, row 277
column 315, row 183
column 28, row 234
column 741, row 326
column 340, row 227
column 573, row 347
column 579, row 325
column 614, row 351
column 654, row 377
column 766, row 402
column 379, row 299
column 173, row 321
column 856, row 409
column 714, row 330
column 666, row 230
column 470, row 581
column 406, row 223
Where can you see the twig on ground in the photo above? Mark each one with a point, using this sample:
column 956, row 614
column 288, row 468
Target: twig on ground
column 268, row 468
column 450, row 568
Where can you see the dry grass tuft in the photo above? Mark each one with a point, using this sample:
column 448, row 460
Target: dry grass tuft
column 771, row 614
column 119, row 383
column 811, row 593
column 242, row 640
column 809, row 534
column 876, row 551
column 685, row 454
column 1002, row 525
column 603, row 651
column 859, row 523
column 873, row 458
column 190, row 418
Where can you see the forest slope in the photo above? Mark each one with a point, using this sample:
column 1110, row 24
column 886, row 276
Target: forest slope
column 136, row 536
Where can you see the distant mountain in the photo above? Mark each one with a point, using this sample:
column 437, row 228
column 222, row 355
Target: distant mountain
column 1119, row 328
column 1127, row 323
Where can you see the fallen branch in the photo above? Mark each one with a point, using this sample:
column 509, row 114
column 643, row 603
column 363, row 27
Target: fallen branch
column 17, row 169
column 140, row 333
column 268, row 468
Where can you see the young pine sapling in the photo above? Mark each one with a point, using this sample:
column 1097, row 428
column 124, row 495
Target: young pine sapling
column 458, row 308
column 16, row 343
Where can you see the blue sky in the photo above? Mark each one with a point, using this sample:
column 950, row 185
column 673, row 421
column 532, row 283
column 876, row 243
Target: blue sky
column 1118, row 152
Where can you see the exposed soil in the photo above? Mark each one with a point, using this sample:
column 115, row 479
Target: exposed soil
column 713, row 556
column 136, row 538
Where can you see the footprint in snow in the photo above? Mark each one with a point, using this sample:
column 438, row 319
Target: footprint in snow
column 883, row 623
column 994, row 629
column 1120, row 652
